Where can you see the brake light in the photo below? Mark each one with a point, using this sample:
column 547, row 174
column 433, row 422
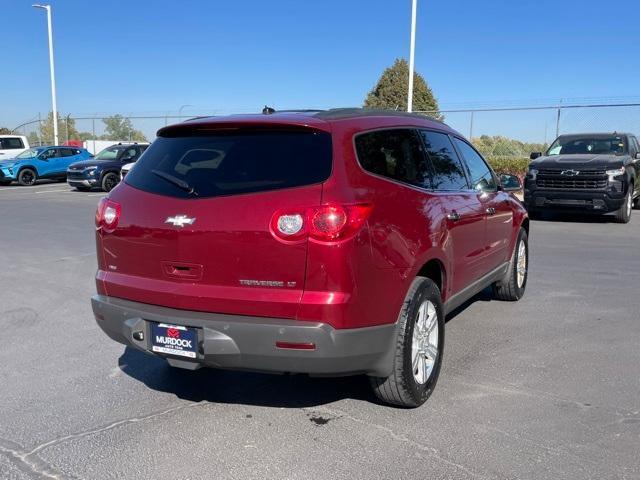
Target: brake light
column 326, row 223
column 107, row 215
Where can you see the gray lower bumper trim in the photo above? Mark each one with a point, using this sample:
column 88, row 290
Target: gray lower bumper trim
column 248, row 343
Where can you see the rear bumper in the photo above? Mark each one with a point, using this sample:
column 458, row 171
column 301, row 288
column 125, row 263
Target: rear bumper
column 595, row 201
column 249, row 343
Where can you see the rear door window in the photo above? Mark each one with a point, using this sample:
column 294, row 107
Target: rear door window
column 448, row 172
column 395, row 154
column 233, row 163
column 67, row 152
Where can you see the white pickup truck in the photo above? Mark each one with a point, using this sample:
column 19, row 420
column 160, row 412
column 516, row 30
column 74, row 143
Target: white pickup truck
column 12, row 145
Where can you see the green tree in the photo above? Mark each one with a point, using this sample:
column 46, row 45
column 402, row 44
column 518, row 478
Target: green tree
column 85, row 136
column 390, row 93
column 118, row 127
column 66, row 129
column 33, row 138
column 500, row 146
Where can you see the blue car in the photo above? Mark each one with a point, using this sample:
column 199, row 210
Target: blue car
column 40, row 163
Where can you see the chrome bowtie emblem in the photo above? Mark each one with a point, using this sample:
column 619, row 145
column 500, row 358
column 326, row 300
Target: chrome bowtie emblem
column 180, row 220
column 570, row 173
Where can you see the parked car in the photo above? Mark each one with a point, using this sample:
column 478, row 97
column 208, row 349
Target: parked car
column 591, row 172
column 325, row 243
column 40, row 163
column 12, row 145
column 103, row 170
column 125, row 169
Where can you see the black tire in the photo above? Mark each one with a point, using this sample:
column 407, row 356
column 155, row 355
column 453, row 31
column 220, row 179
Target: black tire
column 510, row 289
column 27, row 177
column 109, row 181
column 401, row 387
column 623, row 214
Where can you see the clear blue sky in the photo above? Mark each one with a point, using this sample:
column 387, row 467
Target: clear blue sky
column 142, row 57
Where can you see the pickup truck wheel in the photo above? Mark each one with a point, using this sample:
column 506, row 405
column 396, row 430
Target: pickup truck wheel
column 512, row 287
column 27, row 177
column 419, row 348
column 623, row 214
column 109, row 181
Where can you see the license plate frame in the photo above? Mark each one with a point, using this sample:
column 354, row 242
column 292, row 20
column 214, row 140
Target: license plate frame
column 173, row 340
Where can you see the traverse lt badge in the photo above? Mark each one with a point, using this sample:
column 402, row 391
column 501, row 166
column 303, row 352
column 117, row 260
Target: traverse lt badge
column 180, row 220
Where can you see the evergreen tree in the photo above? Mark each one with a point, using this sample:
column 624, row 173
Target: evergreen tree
column 390, row 93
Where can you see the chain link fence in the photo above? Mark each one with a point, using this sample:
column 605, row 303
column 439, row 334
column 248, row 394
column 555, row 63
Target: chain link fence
column 522, row 128
column 501, row 132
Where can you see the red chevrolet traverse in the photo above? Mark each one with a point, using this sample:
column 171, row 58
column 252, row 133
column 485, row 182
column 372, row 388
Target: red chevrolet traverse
column 324, row 242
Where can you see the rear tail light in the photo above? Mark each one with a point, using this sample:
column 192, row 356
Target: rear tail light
column 326, row 223
column 107, row 215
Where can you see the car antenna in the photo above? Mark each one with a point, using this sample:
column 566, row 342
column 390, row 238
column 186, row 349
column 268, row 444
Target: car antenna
column 268, row 110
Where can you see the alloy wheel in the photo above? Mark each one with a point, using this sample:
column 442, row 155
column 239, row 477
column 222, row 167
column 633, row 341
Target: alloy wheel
column 424, row 346
column 521, row 263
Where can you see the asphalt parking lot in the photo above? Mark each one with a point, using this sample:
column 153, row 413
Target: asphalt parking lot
column 546, row 388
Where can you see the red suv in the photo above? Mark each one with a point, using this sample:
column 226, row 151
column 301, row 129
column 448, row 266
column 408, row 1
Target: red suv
column 326, row 242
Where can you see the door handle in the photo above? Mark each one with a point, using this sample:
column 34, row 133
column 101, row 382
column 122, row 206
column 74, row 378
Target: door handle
column 453, row 216
column 490, row 211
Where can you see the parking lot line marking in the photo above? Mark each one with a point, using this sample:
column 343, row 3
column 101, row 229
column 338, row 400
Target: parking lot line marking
column 97, row 194
column 29, row 190
column 54, row 191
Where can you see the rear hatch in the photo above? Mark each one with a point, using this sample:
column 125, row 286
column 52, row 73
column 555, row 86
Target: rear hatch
column 193, row 230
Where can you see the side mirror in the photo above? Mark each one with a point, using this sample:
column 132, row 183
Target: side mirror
column 535, row 155
column 638, row 156
column 510, row 183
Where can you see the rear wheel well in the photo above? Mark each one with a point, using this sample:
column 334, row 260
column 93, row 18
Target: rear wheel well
column 525, row 225
column 434, row 270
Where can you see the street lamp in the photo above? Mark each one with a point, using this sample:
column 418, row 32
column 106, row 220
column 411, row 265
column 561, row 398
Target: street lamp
column 414, row 6
column 53, row 74
column 180, row 109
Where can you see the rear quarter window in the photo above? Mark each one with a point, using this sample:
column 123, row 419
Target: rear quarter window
column 396, row 154
column 233, row 163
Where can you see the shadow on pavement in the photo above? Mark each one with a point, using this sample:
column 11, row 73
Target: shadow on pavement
column 243, row 388
column 484, row 296
column 568, row 217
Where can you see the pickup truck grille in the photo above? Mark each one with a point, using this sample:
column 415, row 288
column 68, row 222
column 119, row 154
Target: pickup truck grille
column 572, row 184
column 583, row 180
column 581, row 173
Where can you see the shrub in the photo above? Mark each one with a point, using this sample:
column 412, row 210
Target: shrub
column 511, row 165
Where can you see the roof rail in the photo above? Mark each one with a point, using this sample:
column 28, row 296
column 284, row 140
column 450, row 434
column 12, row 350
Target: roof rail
column 338, row 113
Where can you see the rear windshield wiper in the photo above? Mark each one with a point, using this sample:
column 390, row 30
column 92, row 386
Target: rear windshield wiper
column 176, row 181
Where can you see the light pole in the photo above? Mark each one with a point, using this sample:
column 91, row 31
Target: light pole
column 180, row 109
column 53, row 74
column 412, row 48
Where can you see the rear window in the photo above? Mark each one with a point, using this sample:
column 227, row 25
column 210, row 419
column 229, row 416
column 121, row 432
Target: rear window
column 11, row 143
column 232, row 163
